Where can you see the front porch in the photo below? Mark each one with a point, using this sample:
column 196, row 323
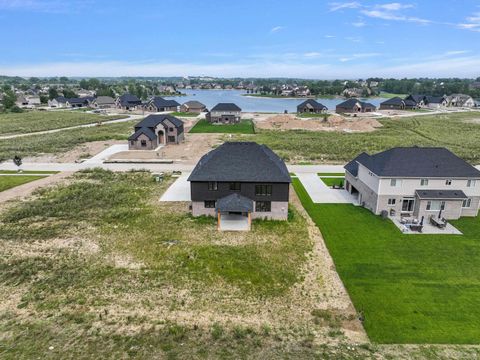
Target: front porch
column 234, row 213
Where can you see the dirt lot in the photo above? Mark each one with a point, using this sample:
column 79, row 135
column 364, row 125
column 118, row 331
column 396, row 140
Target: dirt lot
column 333, row 123
column 190, row 151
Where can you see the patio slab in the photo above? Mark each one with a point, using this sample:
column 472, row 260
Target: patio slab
column 428, row 229
column 234, row 223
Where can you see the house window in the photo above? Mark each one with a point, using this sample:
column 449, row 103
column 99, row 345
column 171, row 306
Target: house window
column 132, row 142
column 171, row 139
column 424, row 182
column 471, row 183
column 435, row 205
column 170, row 129
column 212, row 185
column 448, row 182
column 467, row 203
column 209, row 204
column 143, row 143
column 235, row 186
column 263, row 206
column 263, row 190
column 392, row 201
column 394, row 182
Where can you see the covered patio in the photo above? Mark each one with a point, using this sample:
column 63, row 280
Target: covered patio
column 234, row 213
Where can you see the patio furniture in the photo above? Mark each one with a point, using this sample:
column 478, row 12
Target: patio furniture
column 416, row 227
column 439, row 223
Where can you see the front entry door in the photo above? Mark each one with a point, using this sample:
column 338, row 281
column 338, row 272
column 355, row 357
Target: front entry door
column 407, row 205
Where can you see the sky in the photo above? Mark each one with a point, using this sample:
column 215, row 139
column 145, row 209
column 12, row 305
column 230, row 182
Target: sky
column 249, row 38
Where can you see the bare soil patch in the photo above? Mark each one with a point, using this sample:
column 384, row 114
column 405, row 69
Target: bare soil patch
column 189, row 151
column 333, row 123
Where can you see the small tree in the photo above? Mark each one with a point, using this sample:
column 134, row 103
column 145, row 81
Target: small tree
column 17, row 160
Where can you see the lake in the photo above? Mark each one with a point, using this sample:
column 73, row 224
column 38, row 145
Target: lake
column 254, row 104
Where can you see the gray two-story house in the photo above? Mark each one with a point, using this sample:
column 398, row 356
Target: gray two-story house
column 240, row 181
column 225, row 113
column 156, row 130
column 418, row 182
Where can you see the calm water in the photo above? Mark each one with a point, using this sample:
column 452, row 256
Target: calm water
column 253, row 104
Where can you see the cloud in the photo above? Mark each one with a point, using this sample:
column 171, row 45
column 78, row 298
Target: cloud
column 393, row 15
column 329, row 36
column 276, row 29
column 472, row 22
column 456, row 52
column 394, row 6
column 312, row 54
column 345, row 5
column 358, row 56
column 446, row 67
column 359, row 23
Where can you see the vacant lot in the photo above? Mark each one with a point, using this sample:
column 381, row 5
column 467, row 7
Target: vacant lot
column 8, row 182
column 460, row 132
column 87, row 271
column 32, row 121
column 409, row 288
column 62, row 141
column 243, row 127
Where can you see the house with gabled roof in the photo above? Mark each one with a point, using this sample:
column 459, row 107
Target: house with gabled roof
column 418, row 100
column 354, row 106
column 226, row 113
column 311, row 106
column 193, row 107
column 128, row 102
column 159, row 104
column 435, row 102
column 156, row 130
column 103, row 102
column 238, row 182
column 394, row 103
column 419, row 182
column 58, row 102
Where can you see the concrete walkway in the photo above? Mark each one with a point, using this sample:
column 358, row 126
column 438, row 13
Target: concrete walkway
column 105, row 154
column 179, row 190
column 230, row 222
column 321, row 193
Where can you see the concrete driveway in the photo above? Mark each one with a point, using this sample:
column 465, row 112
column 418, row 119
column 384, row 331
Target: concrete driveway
column 179, row 190
column 321, row 193
column 105, row 154
column 231, row 222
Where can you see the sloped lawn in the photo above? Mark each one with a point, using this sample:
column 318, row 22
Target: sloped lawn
column 409, row 288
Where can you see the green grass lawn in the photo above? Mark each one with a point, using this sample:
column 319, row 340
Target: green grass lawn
column 333, row 181
column 8, row 182
column 28, row 172
column 184, row 114
column 243, row 127
column 32, row 121
column 337, row 174
column 63, row 141
column 410, row 288
column 456, row 131
column 387, row 95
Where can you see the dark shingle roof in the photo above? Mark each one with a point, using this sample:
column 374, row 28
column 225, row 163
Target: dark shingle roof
column 241, row 161
column 313, row 103
column 352, row 166
column 154, row 120
column 235, row 202
column 410, row 102
column 434, row 99
column 129, row 99
column 440, row 194
column 150, row 134
column 417, row 98
column 77, row 100
column 418, row 162
column 393, row 101
column 226, row 107
column 160, row 102
column 61, row 99
column 350, row 103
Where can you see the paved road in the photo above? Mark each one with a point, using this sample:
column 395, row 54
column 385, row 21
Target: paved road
column 130, row 117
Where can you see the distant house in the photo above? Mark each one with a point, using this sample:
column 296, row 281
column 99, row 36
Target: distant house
column 227, row 113
column 77, row 102
column 354, row 106
column 159, row 104
column 238, row 182
column 103, row 102
column 127, row 102
column 435, row 102
column 394, row 103
column 193, row 107
column 58, row 102
column 156, row 130
column 21, row 101
column 460, row 100
column 419, row 100
column 85, row 93
column 415, row 182
column 312, row 107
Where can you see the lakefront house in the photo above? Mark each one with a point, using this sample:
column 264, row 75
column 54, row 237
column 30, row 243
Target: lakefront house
column 156, row 130
column 238, row 182
column 225, row 113
column 311, row 106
